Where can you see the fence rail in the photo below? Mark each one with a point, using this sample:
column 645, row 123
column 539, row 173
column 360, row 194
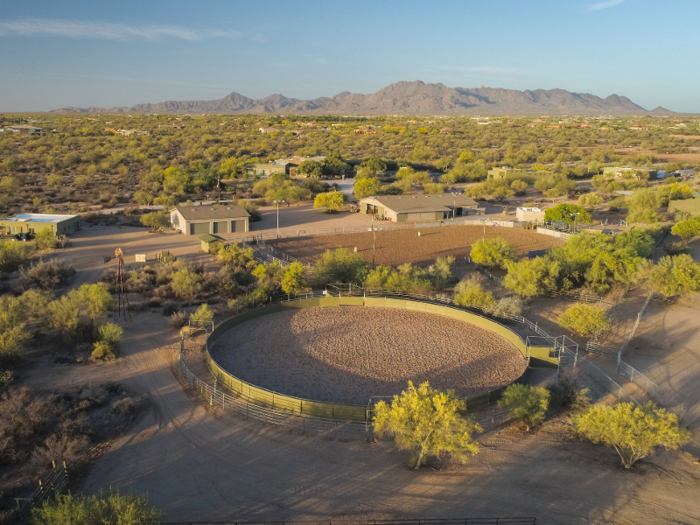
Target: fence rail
column 57, row 481
column 427, row 521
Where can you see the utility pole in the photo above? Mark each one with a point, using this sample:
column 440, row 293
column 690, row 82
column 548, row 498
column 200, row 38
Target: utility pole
column 278, row 217
column 218, row 186
column 374, row 244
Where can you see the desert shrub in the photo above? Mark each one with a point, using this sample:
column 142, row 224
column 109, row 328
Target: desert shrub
column 156, row 221
column 177, row 320
column 59, row 447
column 433, row 188
column 590, row 200
column 470, row 293
column 13, row 341
column 236, row 255
column 13, row 254
column 186, row 283
column 256, row 297
column 115, row 509
column 341, row 266
column 110, row 334
column 677, row 248
column 102, row 352
column 7, row 377
column 507, row 307
column 22, row 416
column 564, row 391
column 123, row 407
column 45, row 240
column 634, row 432
column 36, row 303
column 492, row 253
column 46, row 275
column 584, row 319
column 525, row 404
column 203, row 315
column 64, row 315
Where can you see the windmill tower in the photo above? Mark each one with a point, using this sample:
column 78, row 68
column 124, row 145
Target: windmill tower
column 122, row 297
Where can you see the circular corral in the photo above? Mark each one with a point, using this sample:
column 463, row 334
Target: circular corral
column 345, row 354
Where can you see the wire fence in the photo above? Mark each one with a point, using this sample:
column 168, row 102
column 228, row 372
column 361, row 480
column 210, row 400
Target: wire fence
column 425, row 521
column 626, row 343
column 57, row 481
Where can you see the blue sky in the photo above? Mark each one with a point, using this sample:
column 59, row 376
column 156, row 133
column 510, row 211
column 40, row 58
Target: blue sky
column 98, row 53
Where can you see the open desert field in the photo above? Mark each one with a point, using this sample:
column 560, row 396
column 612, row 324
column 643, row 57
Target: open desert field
column 347, row 354
column 396, row 247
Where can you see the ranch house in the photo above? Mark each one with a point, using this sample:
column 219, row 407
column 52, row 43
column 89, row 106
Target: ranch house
column 412, row 208
column 36, row 222
column 199, row 220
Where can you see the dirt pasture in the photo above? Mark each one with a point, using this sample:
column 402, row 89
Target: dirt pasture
column 395, row 247
column 346, row 354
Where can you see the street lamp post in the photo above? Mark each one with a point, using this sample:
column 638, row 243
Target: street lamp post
column 278, row 216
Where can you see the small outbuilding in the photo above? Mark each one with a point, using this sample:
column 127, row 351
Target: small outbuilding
column 36, row 222
column 413, row 208
column 211, row 243
column 529, row 215
column 199, row 220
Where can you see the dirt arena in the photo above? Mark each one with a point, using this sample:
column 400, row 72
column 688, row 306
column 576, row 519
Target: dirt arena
column 400, row 246
column 347, row 354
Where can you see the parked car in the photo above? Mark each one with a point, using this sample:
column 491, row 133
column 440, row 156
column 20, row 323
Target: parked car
column 23, row 237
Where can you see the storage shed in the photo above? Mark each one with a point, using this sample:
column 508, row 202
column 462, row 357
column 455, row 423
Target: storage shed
column 529, row 215
column 199, row 220
column 211, row 243
column 36, row 222
column 413, row 208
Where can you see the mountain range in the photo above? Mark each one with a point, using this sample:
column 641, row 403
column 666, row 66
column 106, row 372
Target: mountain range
column 407, row 98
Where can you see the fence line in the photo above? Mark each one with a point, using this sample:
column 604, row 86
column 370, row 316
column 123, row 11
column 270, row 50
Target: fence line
column 409, row 521
column 57, row 481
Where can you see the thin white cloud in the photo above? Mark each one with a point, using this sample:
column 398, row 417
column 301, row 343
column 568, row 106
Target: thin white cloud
column 599, row 6
column 105, row 30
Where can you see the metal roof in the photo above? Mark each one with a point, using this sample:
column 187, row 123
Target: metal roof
column 423, row 203
column 204, row 213
column 40, row 217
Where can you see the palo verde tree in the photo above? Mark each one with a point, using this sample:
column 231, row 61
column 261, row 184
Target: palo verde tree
column 333, row 201
column 341, row 266
column 634, row 432
column 367, row 187
column 470, row 293
column 676, row 275
column 492, row 253
column 568, row 213
column 526, row 404
column 294, row 280
column 584, row 319
column 687, row 229
column 427, row 422
column 156, row 221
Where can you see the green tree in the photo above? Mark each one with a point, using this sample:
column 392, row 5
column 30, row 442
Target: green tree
column 434, row 188
column 427, row 422
column 634, row 432
column 530, row 277
column 643, row 206
column 156, row 221
column 367, row 187
column 687, row 229
column 492, row 253
column 115, row 509
column 674, row 275
column 332, row 201
column 341, row 266
column 584, row 319
column 590, row 200
column 203, row 316
column 519, row 187
column 110, row 334
column 45, row 239
column 186, row 283
column 470, row 293
column 177, row 180
column 236, row 255
column 53, row 180
column 568, row 213
column 95, row 299
column 10, row 184
column 311, row 168
column 64, row 314
column 294, row 280
column 526, row 404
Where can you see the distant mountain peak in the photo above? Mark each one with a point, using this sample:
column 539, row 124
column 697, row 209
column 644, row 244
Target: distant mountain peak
column 405, row 97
